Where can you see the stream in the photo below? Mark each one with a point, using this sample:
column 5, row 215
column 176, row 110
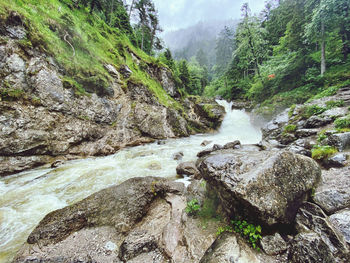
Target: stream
column 28, row 196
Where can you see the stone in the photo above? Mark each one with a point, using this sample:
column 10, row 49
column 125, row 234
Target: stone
column 333, row 193
column 309, row 247
column 233, row 145
column 125, row 71
column 338, row 160
column 265, row 186
column 205, row 143
column 341, row 222
column 335, row 112
column 112, row 71
column 136, row 243
column 340, row 140
column 316, row 121
column 310, row 217
column 189, row 169
column 178, row 156
column 286, row 138
column 274, row 244
column 231, row 248
column 302, row 133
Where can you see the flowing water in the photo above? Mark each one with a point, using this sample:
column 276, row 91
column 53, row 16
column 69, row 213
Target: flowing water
column 25, row 198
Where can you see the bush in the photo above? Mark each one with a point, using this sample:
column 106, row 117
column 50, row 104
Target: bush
column 291, row 128
column 192, row 207
column 249, row 232
column 323, row 152
column 342, row 123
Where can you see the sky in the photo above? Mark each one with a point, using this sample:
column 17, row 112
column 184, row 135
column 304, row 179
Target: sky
column 176, row 14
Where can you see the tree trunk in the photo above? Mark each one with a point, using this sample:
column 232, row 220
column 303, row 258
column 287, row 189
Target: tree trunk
column 92, row 5
column 111, row 13
column 131, row 7
column 142, row 39
column 323, row 50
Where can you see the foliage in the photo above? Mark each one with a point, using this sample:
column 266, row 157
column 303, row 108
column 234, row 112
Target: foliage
column 249, row 232
column 290, row 128
column 322, row 152
column 342, row 123
column 321, row 137
column 312, row 110
column 291, row 110
column 11, row 94
column 192, row 207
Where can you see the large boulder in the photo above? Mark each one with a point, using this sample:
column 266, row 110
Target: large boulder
column 318, row 240
column 333, row 193
column 341, row 222
column 340, row 140
column 266, row 186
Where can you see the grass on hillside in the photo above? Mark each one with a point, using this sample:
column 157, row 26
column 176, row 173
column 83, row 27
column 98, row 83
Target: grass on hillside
column 55, row 28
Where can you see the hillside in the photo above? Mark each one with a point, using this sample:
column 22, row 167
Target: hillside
column 73, row 86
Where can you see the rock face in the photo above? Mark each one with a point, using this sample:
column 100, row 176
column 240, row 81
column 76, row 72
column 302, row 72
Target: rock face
column 46, row 118
column 264, row 186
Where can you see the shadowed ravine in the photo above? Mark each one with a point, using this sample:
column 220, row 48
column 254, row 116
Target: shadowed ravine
column 27, row 197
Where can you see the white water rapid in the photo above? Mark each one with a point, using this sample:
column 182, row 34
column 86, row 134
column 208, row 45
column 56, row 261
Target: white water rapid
column 25, row 198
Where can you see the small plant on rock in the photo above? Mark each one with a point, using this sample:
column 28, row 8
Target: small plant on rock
column 192, row 207
column 290, row 128
column 323, row 152
column 342, row 123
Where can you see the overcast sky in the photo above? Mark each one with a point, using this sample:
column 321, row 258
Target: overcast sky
column 175, row 14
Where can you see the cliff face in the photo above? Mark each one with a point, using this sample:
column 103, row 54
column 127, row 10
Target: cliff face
column 46, row 114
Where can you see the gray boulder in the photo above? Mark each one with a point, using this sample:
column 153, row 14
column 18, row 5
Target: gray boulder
column 333, row 193
column 341, row 221
column 274, row 244
column 188, row 168
column 264, row 186
column 340, row 140
column 316, row 121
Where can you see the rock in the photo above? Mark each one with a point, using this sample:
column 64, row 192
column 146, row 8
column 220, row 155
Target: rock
column 309, row 247
column 239, row 105
column 125, row 71
column 333, row 193
column 229, row 248
column 118, row 206
column 178, row 156
column 217, row 147
column 112, row 71
column 335, row 112
column 233, row 145
column 168, row 83
column 57, row 163
column 161, row 142
column 286, row 138
column 316, row 121
column 338, row 160
column 188, row 168
column 302, row 133
column 340, row 140
column 264, row 186
column 310, row 217
column 205, row 143
column 136, row 243
column 273, row 245
column 154, row 166
column 341, row 222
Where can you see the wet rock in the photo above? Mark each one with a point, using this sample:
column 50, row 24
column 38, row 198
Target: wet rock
column 217, row 147
column 233, row 145
column 154, row 166
column 57, row 163
column 335, row 112
column 137, row 242
column 274, row 127
column 178, row 156
column 239, row 105
column 10, row 164
column 316, row 121
column 118, row 206
column 229, row 248
column 333, row 193
column 188, row 168
column 340, row 140
column 309, row 247
column 205, row 143
column 286, row 138
column 310, row 217
column 264, row 186
column 161, row 142
column 302, row 133
column 338, row 160
column 125, row 71
column 273, row 245
column 341, row 222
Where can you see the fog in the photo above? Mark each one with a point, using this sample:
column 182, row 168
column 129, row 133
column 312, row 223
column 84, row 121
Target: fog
column 184, row 13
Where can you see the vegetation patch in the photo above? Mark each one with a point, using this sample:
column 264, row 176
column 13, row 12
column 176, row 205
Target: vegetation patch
column 291, row 128
column 323, row 152
column 342, row 123
column 192, row 207
column 250, row 232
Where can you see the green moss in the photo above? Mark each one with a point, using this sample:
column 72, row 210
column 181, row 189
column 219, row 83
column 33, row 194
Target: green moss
column 291, row 110
column 308, row 111
column 333, row 104
column 11, row 94
column 323, row 152
column 291, row 128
